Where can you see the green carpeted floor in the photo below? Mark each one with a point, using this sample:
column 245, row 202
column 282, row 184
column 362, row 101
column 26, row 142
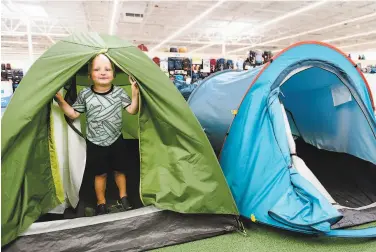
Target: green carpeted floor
column 267, row 239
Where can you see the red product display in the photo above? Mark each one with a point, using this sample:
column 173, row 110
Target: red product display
column 157, row 61
column 142, row 47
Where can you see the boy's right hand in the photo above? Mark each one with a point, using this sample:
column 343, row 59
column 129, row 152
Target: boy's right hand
column 58, row 97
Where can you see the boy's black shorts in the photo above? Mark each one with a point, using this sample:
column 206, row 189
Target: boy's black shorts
column 104, row 159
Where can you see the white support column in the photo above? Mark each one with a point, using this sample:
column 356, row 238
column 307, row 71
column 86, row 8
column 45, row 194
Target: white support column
column 30, row 42
column 114, row 15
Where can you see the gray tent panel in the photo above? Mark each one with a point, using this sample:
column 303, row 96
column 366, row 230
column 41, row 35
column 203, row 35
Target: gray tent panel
column 138, row 230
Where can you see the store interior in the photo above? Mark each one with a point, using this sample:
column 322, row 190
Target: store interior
column 192, row 43
column 188, row 47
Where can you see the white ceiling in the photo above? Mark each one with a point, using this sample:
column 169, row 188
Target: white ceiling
column 239, row 25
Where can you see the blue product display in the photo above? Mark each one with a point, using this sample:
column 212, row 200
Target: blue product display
column 178, row 64
column 185, row 89
column 179, row 77
column 230, row 64
column 221, row 64
column 171, row 64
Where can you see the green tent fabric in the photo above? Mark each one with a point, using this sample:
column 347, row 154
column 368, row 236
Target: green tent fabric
column 179, row 170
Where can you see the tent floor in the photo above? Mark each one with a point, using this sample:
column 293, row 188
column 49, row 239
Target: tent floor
column 138, row 230
column 348, row 179
column 87, row 211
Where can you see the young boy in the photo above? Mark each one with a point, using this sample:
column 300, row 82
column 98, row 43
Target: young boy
column 103, row 104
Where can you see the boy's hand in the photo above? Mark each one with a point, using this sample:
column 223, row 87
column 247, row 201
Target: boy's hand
column 134, row 85
column 58, row 97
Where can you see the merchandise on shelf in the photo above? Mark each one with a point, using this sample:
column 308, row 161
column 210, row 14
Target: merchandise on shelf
column 183, row 49
column 205, row 66
column 369, row 69
column 186, row 64
column 142, row 47
column 10, row 78
column 361, row 57
column 4, row 73
column 17, row 75
column 221, row 64
column 184, row 88
column 157, row 61
column 267, row 55
column 164, row 65
column 6, row 92
column 178, row 66
column 171, row 64
column 13, row 75
column 248, row 63
column 213, row 63
column 239, row 64
column 230, row 64
column 174, row 49
column 258, row 58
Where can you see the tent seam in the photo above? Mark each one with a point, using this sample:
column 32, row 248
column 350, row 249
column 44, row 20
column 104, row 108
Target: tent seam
column 59, row 190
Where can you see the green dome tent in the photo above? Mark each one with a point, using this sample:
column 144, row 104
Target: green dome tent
column 179, row 171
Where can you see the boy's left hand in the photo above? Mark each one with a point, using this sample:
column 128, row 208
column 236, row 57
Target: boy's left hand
column 134, row 84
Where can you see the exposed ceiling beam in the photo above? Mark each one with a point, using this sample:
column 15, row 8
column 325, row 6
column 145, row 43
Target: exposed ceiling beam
column 44, row 33
column 18, row 42
column 350, row 36
column 306, row 32
column 114, row 17
column 18, row 25
column 206, row 46
column 195, row 20
column 190, row 42
column 7, row 51
column 23, row 33
column 292, row 14
column 359, row 44
column 4, row 25
column 28, row 25
column 88, row 21
column 278, row 19
column 276, row 11
column 150, row 9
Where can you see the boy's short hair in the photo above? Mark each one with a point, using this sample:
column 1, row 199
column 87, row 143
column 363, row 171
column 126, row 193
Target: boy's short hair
column 90, row 65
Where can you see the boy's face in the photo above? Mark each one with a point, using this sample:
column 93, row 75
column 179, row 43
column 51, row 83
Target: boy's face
column 102, row 72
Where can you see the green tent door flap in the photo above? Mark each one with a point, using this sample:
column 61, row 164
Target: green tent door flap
column 179, row 170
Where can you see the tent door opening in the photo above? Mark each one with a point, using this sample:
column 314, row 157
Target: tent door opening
column 87, row 198
column 320, row 121
column 344, row 179
column 348, row 179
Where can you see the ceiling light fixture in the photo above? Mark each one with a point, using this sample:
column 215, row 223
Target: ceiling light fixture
column 181, row 30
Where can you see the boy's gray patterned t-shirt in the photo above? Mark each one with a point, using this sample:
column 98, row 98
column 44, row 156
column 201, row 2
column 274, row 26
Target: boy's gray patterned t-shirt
column 103, row 113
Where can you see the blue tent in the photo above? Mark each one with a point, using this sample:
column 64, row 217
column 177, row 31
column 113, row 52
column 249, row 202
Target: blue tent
column 184, row 88
column 297, row 140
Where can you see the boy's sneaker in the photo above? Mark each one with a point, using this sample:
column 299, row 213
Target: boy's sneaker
column 125, row 203
column 102, row 209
